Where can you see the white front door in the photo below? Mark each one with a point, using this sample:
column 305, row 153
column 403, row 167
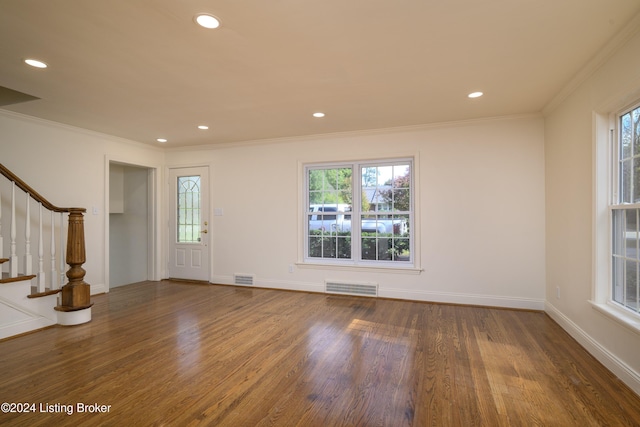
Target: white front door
column 189, row 223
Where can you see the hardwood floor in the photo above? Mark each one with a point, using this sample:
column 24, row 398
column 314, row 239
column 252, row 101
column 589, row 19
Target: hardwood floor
column 179, row 354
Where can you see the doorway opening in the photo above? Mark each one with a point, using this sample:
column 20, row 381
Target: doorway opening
column 131, row 234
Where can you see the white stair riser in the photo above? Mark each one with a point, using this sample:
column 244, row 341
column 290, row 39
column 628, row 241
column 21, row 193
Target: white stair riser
column 19, row 314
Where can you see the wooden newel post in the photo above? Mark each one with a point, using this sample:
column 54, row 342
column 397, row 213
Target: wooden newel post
column 75, row 294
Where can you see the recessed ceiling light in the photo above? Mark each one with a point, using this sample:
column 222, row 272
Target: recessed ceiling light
column 35, row 63
column 203, row 127
column 318, row 114
column 475, row 95
column 207, row 21
column 161, row 140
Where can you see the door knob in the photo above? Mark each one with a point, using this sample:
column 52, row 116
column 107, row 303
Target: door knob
column 204, row 231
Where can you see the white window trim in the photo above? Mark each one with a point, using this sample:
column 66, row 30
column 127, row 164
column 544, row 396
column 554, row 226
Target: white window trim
column 605, row 174
column 353, row 264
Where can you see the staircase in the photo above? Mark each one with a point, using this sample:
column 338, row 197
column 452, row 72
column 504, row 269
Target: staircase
column 32, row 294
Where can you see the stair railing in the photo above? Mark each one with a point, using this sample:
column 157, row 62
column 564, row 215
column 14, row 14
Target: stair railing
column 75, row 294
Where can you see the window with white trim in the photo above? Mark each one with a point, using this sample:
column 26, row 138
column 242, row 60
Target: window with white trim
column 625, row 212
column 368, row 223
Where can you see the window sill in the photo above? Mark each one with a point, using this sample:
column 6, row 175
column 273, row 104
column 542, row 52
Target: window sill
column 625, row 319
column 359, row 267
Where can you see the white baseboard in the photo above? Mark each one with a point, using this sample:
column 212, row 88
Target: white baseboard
column 99, row 289
column 623, row 371
column 273, row 284
column 425, row 296
column 291, row 286
column 28, row 325
column 464, row 299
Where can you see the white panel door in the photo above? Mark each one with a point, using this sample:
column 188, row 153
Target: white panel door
column 189, row 223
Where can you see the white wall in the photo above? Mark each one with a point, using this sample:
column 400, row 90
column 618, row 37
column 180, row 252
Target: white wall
column 68, row 166
column 481, row 210
column 569, row 159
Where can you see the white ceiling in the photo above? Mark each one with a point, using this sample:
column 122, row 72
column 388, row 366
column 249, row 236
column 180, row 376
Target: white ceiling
column 142, row 69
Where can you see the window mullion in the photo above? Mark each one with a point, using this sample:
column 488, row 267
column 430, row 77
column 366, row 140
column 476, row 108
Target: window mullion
column 614, row 174
column 631, row 173
column 356, row 220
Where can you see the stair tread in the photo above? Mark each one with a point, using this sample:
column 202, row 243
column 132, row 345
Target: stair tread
column 6, row 279
column 47, row 291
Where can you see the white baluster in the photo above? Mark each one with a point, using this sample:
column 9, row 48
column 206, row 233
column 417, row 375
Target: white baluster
column 13, row 259
column 28, row 260
column 63, row 270
column 54, row 272
column 41, row 275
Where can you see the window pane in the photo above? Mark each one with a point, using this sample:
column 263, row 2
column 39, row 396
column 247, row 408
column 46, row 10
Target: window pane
column 343, row 180
column 328, row 247
column 369, row 176
column 344, row 247
column 625, row 136
column 385, row 176
column 625, row 181
column 330, row 186
column 316, row 180
column 631, row 284
column 315, row 197
column 401, row 226
column 402, row 199
column 369, row 250
column 315, row 245
column 401, row 176
column 618, row 278
column 188, row 209
column 402, row 250
column 618, row 232
column 631, row 234
column 344, row 197
column 636, row 179
column 385, row 246
column 626, row 258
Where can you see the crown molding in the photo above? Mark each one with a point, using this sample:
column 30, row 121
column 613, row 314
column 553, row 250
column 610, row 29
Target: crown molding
column 596, row 62
column 354, row 133
column 75, row 129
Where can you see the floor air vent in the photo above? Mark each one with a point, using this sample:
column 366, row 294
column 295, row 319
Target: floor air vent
column 243, row 279
column 362, row 289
